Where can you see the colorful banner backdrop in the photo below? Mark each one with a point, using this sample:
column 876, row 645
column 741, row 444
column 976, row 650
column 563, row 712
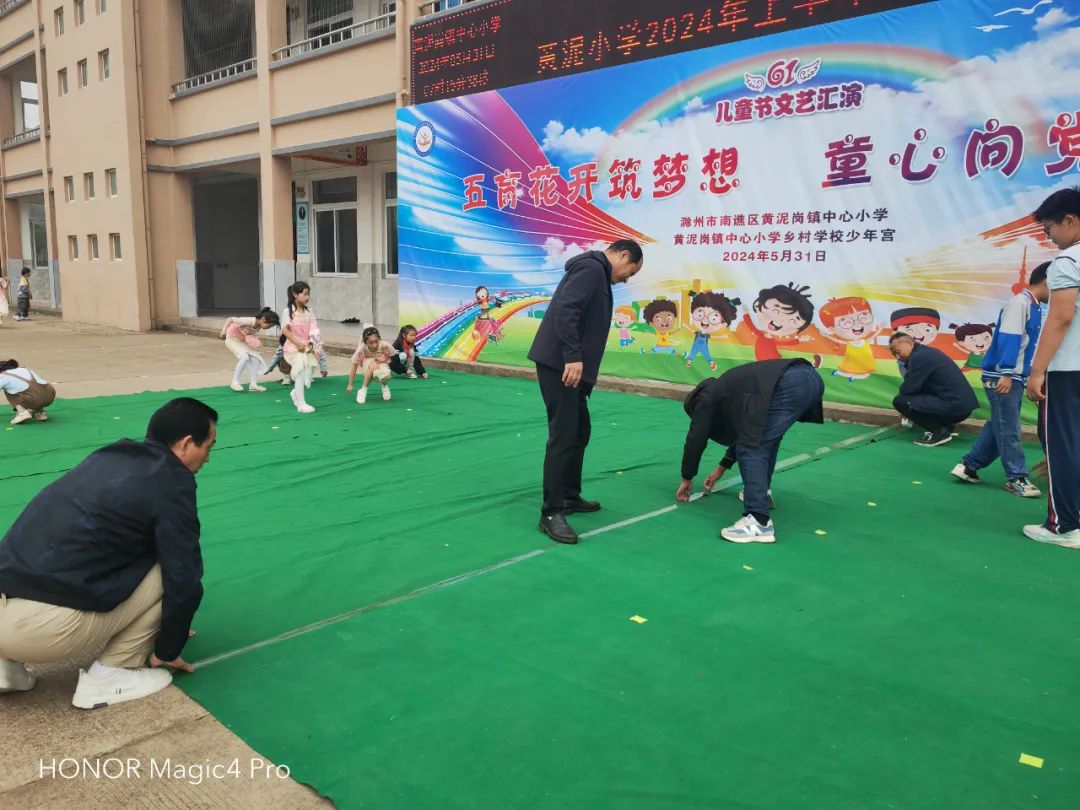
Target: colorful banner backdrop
column 805, row 193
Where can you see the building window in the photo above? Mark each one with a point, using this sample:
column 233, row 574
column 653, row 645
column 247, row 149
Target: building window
column 84, row 73
column 114, row 246
column 325, row 16
column 391, row 238
column 110, row 182
column 103, row 64
column 69, row 188
column 217, row 34
column 61, row 81
column 73, row 247
column 80, row 11
column 102, row 6
column 88, row 185
column 28, row 106
column 386, row 11
column 334, row 207
column 39, row 235
column 58, row 20
column 92, row 247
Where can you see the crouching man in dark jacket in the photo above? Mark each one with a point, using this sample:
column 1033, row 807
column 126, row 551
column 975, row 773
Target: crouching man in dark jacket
column 748, row 410
column 108, row 556
column 935, row 394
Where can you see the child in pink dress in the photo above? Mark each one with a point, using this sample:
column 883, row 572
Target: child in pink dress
column 299, row 348
column 241, row 336
column 372, row 357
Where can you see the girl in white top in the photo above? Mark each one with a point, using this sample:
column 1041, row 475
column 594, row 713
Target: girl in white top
column 300, row 329
column 26, row 392
column 242, row 339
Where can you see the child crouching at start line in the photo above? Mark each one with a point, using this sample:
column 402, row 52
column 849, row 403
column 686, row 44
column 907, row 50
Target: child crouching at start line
column 372, row 357
column 242, row 339
column 406, row 360
column 26, row 392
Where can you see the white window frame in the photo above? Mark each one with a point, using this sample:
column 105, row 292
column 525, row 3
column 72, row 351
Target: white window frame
column 104, row 66
column 79, row 12
column 387, row 204
column 83, row 69
column 111, row 189
column 313, row 225
column 73, row 248
column 61, row 82
column 102, row 6
column 69, row 188
column 115, row 251
column 93, row 251
column 89, row 192
column 58, row 21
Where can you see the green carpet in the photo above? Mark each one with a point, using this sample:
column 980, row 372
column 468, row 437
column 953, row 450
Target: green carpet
column 903, row 659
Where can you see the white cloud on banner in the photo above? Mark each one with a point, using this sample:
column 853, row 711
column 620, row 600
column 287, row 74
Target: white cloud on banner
column 1054, row 18
column 573, row 143
column 557, row 252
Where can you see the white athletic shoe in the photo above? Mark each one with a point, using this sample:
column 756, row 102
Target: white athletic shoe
column 361, row 396
column 128, row 684
column 965, row 474
column 748, row 530
column 305, row 408
column 15, row 677
column 1022, row 487
column 255, row 387
column 286, row 380
column 386, row 393
column 1041, row 534
column 22, row 415
column 41, row 416
column 236, row 386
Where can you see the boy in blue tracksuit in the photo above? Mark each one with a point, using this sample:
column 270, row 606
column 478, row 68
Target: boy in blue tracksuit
column 1005, row 372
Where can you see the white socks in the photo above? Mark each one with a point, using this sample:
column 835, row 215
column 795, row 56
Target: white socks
column 299, row 384
column 239, row 369
column 101, row 672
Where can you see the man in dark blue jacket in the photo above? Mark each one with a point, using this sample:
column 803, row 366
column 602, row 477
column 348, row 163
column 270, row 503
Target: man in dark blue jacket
column 567, row 351
column 934, row 395
column 108, row 556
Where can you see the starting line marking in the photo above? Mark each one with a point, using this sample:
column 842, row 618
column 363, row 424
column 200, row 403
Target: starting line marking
column 785, row 464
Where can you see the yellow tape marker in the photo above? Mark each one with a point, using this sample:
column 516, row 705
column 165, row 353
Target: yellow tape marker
column 871, row 503
column 820, row 532
column 638, row 619
column 916, row 483
column 748, row 568
column 1034, row 762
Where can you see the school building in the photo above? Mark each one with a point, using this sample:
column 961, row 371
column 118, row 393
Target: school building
column 166, row 159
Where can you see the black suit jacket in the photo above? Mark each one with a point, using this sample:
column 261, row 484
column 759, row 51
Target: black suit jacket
column 931, row 373
column 575, row 327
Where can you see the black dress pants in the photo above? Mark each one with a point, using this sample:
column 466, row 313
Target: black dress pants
column 569, row 429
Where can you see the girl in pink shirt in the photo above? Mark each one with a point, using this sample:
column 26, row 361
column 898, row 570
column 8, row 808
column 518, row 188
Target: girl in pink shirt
column 372, row 357
column 241, row 336
column 300, row 330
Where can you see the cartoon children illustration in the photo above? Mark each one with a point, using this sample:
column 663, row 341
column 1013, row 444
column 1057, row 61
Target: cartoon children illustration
column 973, row 339
column 663, row 316
column 710, row 312
column 624, row 316
column 849, row 322
column 486, row 326
column 922, row 323
column 786, row 311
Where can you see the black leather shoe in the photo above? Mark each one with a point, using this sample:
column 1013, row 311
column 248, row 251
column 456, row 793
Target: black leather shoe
column 556, row 527
column 580, row 505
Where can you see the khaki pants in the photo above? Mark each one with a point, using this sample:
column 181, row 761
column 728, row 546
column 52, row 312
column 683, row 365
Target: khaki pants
column 38, row 633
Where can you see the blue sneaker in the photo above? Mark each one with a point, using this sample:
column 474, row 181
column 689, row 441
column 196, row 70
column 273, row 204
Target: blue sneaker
column 748, row 530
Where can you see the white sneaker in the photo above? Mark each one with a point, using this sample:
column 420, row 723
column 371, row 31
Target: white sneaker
column 1022, row 487
column 965, row 474
column 128, row 684
column 255, row 387
column 305, row 408
column 15, row 677
column 361, row 396
column 22, row 415
column 286, row 380
column 748, row 530
column 386, row 393
column 410, row 374
column 41, row 416
column 236, row 386
column 1041, row 534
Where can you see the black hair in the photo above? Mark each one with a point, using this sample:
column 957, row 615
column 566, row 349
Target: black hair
column 630, row 246
column 179, row 418
column 368, row 332
column 792, row 298
column 481, row 287
column 26, row 271
column 294, row 290
column 1038, row 275
column 406, row 328
column 656, row 307
column 718, row 301
column 900, row 336
column 9, row 364
column 971, row 329
column 268, row 315
column 1059, row 205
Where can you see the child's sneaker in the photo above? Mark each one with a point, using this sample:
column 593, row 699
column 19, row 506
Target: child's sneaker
column 21, row 415
column 41, row 416
column 255, row 387
column 386, row 393
column 1022, row 487
column 236, row 387
column 361, row 396
column 748, row 530
column 286, row 380
column 410, row 374
column 967, row 474
column 305, row 408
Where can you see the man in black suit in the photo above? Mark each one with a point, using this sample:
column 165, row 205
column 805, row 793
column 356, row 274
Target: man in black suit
column 567, row 351
column 935, row 394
